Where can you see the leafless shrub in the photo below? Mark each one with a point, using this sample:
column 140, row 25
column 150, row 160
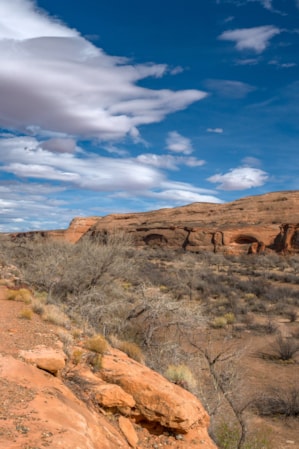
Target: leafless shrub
column 284, row 402
column 286, row 347
column 269, row 327
column 291, row 314
column 282, row 348
column 61, row 268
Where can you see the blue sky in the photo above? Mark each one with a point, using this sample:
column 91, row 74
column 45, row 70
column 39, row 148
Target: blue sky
column 110, row 106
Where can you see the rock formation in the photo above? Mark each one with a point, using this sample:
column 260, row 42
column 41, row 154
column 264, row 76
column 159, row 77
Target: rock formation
column 52, row 400
column 253, row 224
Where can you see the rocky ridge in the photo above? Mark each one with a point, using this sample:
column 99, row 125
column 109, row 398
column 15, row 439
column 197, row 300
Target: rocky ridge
column 253, row 224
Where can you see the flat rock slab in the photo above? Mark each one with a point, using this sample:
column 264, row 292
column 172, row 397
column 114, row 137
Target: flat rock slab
column 47, row 359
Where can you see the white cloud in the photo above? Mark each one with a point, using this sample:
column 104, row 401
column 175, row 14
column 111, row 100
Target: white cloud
column 185, row 197
column 178, row 143
column 229, row 19
column 251, row 161
column 256, row 39
column 58, row 145
column 182, row 193
column 21, row 20
column 282, row 65
column 215, row 130
column 88, row 94
column 32, row 206
column 176, row 70
column 169, row 161
column 240, row 178
column 229, row 88
column 267, row 4
column 247, row 61
column 84, row 170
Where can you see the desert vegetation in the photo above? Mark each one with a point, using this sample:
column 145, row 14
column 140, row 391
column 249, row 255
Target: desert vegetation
column 225, row 327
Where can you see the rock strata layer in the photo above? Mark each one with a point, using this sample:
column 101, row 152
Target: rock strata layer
column 254, row 224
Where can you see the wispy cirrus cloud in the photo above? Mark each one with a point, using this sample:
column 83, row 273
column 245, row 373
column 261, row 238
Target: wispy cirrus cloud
column 268, row 4
column 256, row 39
column 229, row 88
column 240, row 178
column 215, row 130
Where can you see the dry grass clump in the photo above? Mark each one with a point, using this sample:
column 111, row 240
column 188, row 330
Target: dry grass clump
column 129, row 347
column 95, row 360
column 26, row 314
column 97, row 344
column 219, row 322
column 53, row 314
column 181, row 375
column 22, row 294
column 77, row 356
column 38, row 302
column 230, row 318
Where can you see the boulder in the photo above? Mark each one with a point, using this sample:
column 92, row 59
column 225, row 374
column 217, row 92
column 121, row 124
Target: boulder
column 109, row 395
column 47, row 359
column 156, row 398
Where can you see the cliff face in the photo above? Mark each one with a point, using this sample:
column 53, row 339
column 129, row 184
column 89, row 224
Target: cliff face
column 254, row 224
column 251, row 224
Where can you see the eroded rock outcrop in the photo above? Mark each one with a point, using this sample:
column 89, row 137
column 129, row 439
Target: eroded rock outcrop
column 48, row 400
column 233, row 228
column 47, row 413
column 157, row 399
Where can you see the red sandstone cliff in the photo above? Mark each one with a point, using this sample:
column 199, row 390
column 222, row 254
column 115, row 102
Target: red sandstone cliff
column 254, row 224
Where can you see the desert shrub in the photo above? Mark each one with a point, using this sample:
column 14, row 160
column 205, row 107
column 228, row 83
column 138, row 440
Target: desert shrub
column 38, row 302
column 285, row 348
column 277, row 401
column 77, row 356
column 180, row 375
column 269, row 327
column 230, row 318
column 291, row 314
column 38, row 307
column 53, row 314
column 277, row 294
column 282, row 348
column 219, row 322
column 26, row 314
column 295, row 333
column 130, row 348
column 97, row 344
column 22, row 294
column 95, row 360
column 67, row 339
column 61, row 267
column 227, row 436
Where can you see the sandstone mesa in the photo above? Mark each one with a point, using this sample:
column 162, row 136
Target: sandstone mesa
column 254, row 224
